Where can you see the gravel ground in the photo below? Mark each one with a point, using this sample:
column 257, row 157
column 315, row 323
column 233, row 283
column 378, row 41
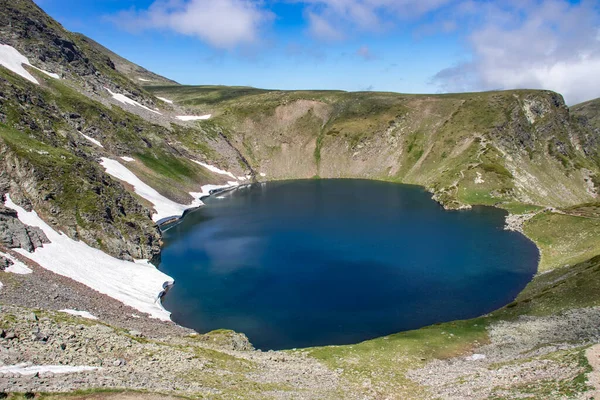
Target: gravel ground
column 520, row 352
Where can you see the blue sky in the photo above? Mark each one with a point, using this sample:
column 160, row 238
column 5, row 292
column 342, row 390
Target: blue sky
column 411, row 46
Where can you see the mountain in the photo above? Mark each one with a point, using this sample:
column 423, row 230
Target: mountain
column 132, row 71
column 473, row 148
column 588, row 114
column 95, row 151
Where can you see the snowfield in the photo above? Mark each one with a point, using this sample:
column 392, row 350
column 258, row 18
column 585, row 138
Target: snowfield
column 164, row 207
column 135, row 284
column 193, row 118
column 126, row 100
column 12, row 60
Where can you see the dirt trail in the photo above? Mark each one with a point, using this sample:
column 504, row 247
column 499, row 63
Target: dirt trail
column 593, row 356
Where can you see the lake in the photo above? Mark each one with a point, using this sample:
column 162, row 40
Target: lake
column 319, row 262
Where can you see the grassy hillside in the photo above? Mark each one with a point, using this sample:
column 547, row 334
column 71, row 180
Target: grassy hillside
column 472, row 148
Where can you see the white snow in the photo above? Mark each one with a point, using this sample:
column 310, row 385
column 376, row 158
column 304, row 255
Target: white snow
column 91, row 139
column 144, row 80
column 193, row 118
column 263, row 174
column 126, row 100
column 127, row 159
column 216, row 170
column 476, row 357
column 1, row 285
column 134, row 284
column 18, row 267
column 164, row 207
column 25, row 369
column 11, row 59
column 165, row 100
column 78, row 313
column 50, row 74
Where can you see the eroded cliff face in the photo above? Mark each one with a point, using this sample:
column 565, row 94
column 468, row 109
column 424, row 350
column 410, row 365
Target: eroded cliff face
column 472, row 148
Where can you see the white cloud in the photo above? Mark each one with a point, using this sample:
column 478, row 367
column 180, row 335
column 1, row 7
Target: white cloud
column 321, row 28
column 220, row 23
column 332, row 19
column 531, row 44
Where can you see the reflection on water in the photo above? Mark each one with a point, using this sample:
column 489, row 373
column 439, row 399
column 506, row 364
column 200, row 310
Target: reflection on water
column 304, row 263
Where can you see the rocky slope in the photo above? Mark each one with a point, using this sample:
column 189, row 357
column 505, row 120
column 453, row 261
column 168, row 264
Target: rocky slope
column 521, row 150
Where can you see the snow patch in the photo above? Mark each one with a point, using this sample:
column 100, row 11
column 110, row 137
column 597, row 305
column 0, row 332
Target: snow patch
column 164, row 207
column 78, row 313
column 18, row 267
column 263, row 174
column 126, row 100
column 91, row 139
column 127, row 159
column 193, row 118
column 216, row 170
column 12, row 60
column 50, row 74
column 144, row 80
column 165, row 100
column 25, row 369
column 134, row 284
column 476, row 357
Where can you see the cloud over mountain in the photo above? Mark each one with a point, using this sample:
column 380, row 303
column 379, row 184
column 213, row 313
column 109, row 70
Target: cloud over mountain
column 221, row 23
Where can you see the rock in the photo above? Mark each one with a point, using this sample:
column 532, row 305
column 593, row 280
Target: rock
column 32, row 317
column 15, row 234
column 120, row 362
column 136, row 333
column 42, row 337
column 10, row 335
column 5, row 263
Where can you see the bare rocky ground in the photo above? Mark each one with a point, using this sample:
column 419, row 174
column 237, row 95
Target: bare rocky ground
column 136, row 352
column 531, row 357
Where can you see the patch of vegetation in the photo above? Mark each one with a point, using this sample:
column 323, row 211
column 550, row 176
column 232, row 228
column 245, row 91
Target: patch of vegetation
column 564, row 239
column 496, row 169
column 561, row 289
column 551, row 388
column 384, row 361
column 516, row 208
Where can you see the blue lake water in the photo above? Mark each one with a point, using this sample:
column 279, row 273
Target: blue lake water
column 319, row 262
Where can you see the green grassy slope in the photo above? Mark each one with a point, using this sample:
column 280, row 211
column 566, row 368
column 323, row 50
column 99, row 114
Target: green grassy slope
column 472, row 148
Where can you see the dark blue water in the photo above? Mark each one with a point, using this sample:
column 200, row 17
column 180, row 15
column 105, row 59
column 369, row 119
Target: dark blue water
column 306, row 263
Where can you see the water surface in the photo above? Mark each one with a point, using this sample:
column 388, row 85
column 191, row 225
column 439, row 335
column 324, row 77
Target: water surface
column 319, row 262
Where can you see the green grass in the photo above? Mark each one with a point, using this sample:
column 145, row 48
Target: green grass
column 564, row 239
column 517, row 208
column 385, row 361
